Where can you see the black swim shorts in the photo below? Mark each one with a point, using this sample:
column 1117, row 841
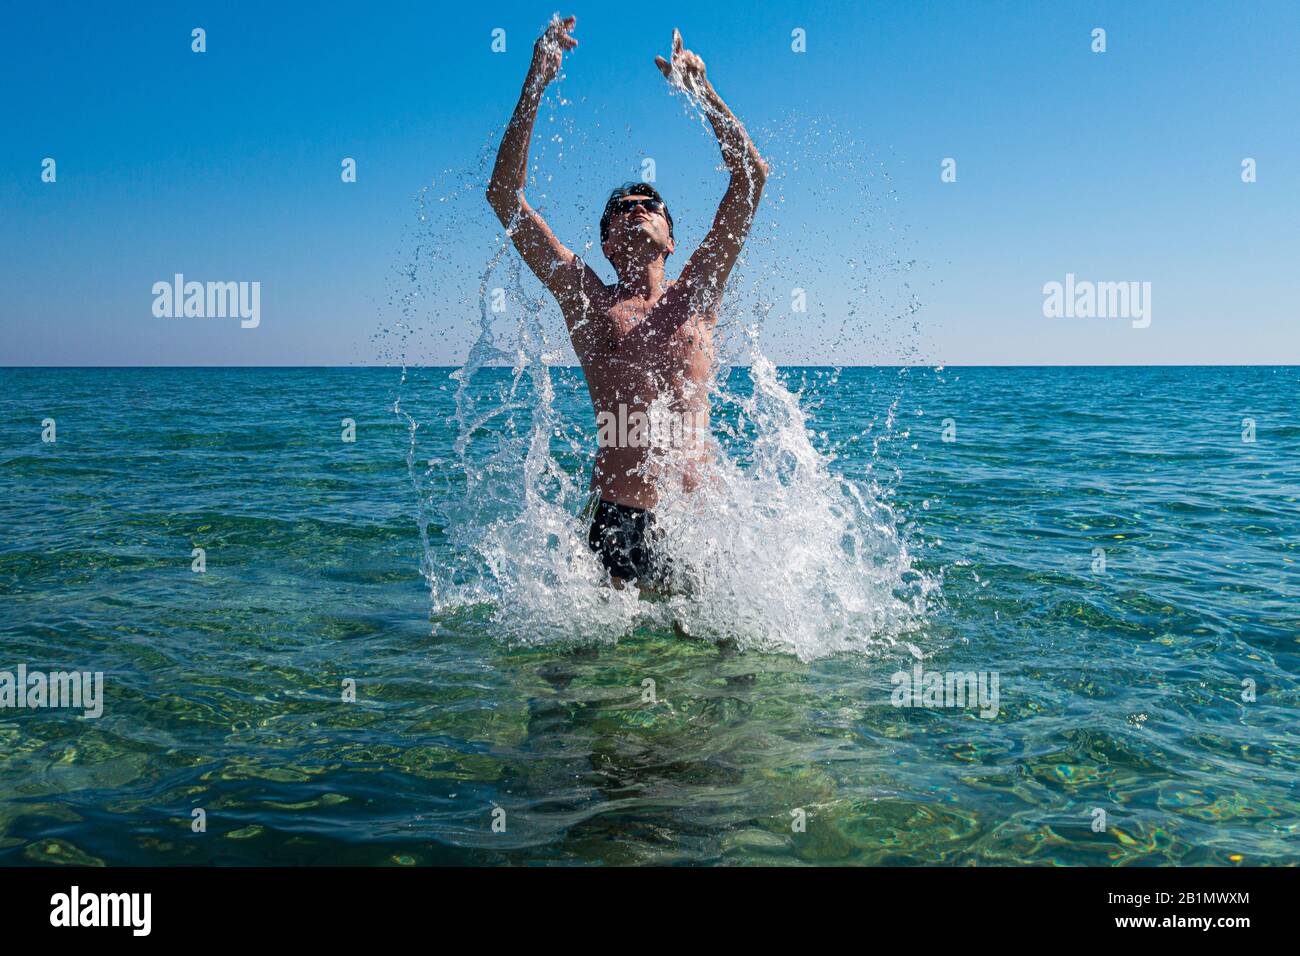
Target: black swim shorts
column 624, row 538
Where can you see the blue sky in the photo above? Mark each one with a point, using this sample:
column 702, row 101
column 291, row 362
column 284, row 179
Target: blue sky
column 1120, row 166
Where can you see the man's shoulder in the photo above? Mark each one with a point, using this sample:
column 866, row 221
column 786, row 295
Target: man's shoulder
column 585, row 279
column 577, row 286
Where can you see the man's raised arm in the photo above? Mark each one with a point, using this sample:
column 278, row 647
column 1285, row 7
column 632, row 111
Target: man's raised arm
column 705, row 273
column 549, row 259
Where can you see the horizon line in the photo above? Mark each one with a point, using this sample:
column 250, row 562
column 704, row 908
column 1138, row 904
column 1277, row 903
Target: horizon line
column 839, row 365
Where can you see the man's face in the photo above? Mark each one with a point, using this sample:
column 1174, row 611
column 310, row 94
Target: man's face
column 635, row 222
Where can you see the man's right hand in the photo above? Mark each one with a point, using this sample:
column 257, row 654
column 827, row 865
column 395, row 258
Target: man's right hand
column 548, row 51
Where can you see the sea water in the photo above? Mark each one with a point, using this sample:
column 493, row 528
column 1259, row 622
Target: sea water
column 1161, row 689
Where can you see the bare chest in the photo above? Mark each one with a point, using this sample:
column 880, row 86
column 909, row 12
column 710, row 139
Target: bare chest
column 664, row 335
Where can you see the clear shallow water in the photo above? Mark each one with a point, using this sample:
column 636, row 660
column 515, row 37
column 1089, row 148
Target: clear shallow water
column 1119, row 691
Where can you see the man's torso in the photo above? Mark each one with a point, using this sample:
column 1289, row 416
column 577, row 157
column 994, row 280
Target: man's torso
column 633, row 350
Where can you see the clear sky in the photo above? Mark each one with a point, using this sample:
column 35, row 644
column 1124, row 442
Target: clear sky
column 1117, row 166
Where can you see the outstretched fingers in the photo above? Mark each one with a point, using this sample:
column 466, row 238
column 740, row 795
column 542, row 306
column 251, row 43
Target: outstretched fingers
column 685, row 69
column 559, row 32
column 666, row 67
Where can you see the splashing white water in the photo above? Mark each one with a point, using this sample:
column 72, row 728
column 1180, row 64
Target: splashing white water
column 782, row 553
column 778, row 553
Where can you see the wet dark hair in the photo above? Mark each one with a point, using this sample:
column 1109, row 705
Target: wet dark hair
column 630, row 189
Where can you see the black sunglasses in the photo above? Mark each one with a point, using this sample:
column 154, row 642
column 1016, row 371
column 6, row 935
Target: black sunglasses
column 628, row 203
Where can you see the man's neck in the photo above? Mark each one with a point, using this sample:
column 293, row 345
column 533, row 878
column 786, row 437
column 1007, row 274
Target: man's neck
column 644, row 279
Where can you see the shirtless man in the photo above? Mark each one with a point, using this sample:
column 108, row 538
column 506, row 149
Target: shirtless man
column 645, row 337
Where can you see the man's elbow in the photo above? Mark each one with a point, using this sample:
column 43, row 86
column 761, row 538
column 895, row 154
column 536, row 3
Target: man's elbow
column 503, row 201
column 755, row 171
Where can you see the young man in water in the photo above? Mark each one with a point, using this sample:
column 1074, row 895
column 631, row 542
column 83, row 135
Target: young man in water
column 645, row 337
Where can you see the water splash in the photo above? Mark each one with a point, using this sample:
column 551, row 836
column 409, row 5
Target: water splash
column 783, row 553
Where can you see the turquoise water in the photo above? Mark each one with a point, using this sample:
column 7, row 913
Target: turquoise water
column 1120, row 691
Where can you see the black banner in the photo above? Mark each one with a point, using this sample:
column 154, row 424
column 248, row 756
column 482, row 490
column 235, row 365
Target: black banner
column 328, row 906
